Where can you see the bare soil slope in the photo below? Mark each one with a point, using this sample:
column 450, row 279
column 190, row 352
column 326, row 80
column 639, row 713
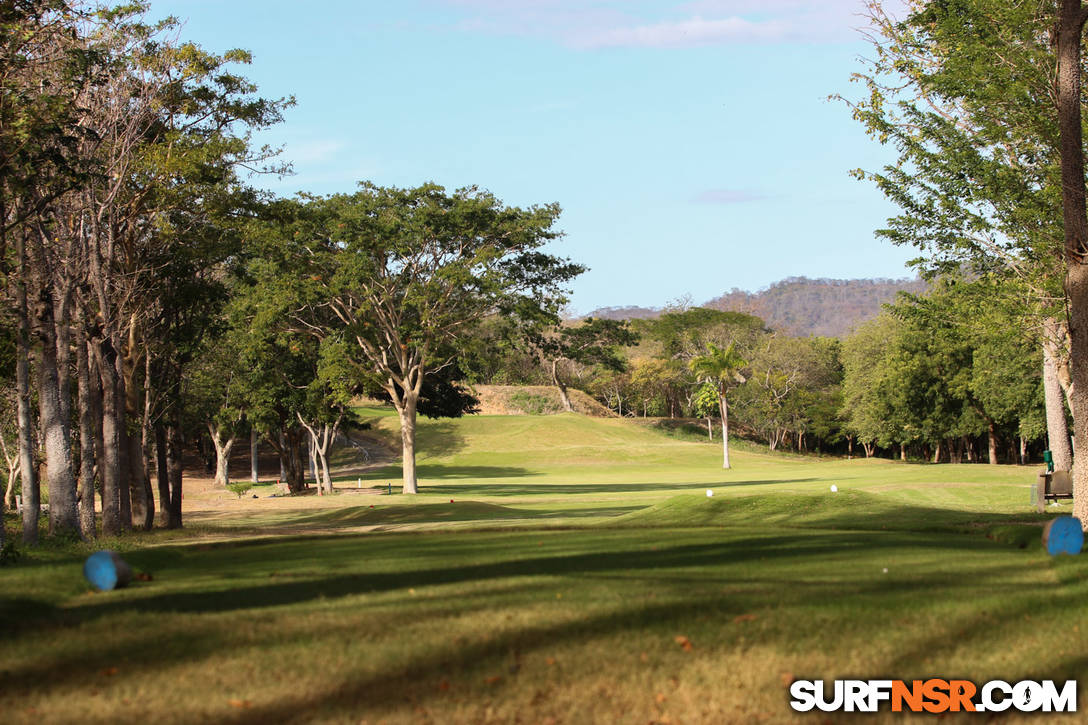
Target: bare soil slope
column 535, row 400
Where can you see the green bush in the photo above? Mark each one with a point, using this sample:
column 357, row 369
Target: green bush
column 240, row 487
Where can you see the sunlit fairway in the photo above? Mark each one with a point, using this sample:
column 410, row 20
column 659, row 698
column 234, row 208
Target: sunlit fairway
column 581, row 574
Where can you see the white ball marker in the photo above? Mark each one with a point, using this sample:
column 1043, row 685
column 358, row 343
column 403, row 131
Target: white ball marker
column 834, row 488
column 709, row 493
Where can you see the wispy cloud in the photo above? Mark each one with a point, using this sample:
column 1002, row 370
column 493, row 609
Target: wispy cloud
column 305, row 152
column 687, row 33
column 590, row 24
column 728, row 196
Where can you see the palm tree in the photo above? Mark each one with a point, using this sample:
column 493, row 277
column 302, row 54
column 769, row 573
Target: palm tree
column 720, row 366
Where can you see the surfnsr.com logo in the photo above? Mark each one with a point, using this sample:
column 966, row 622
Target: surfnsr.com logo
column 933, row 696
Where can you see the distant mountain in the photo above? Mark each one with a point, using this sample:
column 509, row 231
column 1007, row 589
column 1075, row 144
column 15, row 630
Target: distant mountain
column 826, row 307
column 798, row 305
column 625, row 313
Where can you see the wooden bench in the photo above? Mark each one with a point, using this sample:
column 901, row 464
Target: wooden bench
column 1052, row 485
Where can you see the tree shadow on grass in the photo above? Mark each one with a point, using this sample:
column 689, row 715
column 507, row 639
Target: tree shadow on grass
column 521, row 489
column 401, row 684
column 735, row 551
column 429, row 473
column 435, row 513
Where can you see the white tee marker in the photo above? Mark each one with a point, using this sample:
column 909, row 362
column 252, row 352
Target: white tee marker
column 709, row 493
column 834, row 488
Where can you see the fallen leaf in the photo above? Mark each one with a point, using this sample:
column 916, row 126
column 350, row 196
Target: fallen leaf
column 550, row 661
column 494, row 679
column 109, row 671
column 143, row 576
column 240, row 703
column 643, row 657
column 787, row 679
column 684, row 643
column 743, row 618
column 444, row 685
column 660, row 698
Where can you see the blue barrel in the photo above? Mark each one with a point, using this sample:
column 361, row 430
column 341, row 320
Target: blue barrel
column 105, row 570
column 1063, row 535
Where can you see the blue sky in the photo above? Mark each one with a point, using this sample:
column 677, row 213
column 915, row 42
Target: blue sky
column 690, row 143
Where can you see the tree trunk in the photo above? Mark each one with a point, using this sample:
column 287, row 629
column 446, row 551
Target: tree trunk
column 407, row 413
column 709, row 429
column 25, row 417
column 253, row 472
column 14, row 471
column 312, row 459
column 222, row 455
column 1023, row 451
column 563, row 396
column 1075, row 223
column 56, row 431
column 725, row 430
column 124, row 490
column 109, row 463
column 1057, row 430
column 174, row 474
column 87, row 436
column 162, row 475
column 283, row 468
column 137, row 407
column 292, row 465
column 143, row 500
column 902, row 451
column 991, row 435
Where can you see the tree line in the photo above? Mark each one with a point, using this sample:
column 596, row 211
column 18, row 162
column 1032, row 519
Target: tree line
column 155, row 300
column 955, row 375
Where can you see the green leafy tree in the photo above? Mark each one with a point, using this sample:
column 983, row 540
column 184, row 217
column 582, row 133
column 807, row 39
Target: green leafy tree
column 705, row 405
column 404, row 275
column 657, row 384
column 593, row 342
column 789, row 382
column 866, row 407
column 991, row 167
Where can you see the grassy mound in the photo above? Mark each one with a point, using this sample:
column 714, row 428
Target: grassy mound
column 850, row 510
column 379, row 515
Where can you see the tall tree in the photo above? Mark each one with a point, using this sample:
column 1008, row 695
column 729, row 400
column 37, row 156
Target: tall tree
column 1071, row 17
column 991, row 167
column 406, row 273
column 721, row 367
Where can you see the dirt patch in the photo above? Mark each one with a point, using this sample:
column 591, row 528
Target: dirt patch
column 535, row 400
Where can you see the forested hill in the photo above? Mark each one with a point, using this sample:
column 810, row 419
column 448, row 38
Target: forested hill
column 801, row 306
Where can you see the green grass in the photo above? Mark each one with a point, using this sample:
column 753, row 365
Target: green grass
column 554, row 588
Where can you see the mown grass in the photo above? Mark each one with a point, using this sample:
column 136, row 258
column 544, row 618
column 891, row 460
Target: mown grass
column 537, row 597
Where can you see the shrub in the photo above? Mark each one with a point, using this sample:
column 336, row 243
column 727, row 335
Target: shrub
column 239, row 487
